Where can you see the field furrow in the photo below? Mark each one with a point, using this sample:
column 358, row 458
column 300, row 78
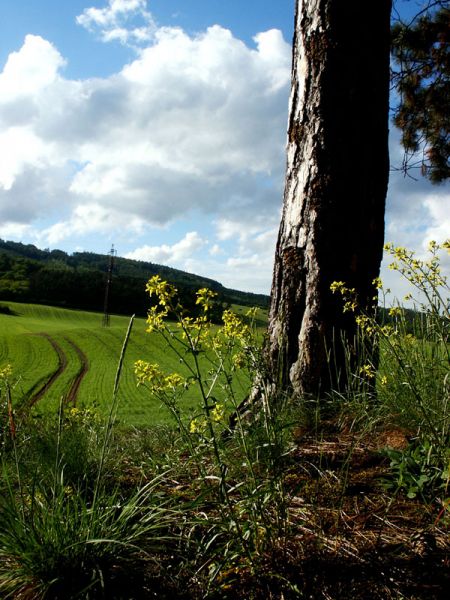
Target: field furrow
column 59, row 353
column 84, row 367
column 62, row 365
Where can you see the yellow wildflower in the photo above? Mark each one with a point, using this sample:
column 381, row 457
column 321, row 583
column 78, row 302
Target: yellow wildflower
column 6, row 372
column 151, row 374
column 205, row 298
column 163, row 290
column 252, row 312
column 233, row 327
column 395, row 311
column 173, row 381
column 337, row 286
column 377, row 282
column 217, row 413
column 386, row 330
column 197, row 425
column 238, row 360
column 367, row 371
column 350, row 306
column 155, row 319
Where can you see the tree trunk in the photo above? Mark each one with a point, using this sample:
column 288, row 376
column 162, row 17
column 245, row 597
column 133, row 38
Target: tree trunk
column 332, row 228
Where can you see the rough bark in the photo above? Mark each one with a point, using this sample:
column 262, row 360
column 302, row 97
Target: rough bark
column 332, row 228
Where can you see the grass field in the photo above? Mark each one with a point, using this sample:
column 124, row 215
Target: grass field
column 58, row 353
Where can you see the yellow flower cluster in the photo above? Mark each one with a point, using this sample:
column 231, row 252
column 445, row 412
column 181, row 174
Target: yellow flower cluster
column 337, row 287
column 216, row 415
column 195, row 329
column 238, row 360
column 348, row 294
column 367, row 371
column 155, row 319
column 5, row 372
column 163, row 290
column 198, row 425
column 378, row 283
column 252, row 312
column 395, row 311
column 205, row 298
column 366, row 324
column 233, row 327
column 158, row 381
column 418, row 272
column 83, row 416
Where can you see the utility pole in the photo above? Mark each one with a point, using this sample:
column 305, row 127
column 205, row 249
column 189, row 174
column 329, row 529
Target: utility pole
column 112, row 254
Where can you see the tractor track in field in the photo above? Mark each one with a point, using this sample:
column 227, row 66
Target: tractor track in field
column 62, row 365
column 71, row 397
column 73, row 392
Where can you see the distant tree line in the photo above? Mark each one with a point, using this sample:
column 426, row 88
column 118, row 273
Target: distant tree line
column 29, row 274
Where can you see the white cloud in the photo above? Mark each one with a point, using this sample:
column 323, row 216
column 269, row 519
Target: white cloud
column 87, row 219
column 174, row 255
column 30, row 70
column 19, row 147
column 15, row 231
column 193, row 123
column 439, row 209
column 127, row 21
column 244, row 269
column 215, row 250
column 249, row 262
column 416, row 212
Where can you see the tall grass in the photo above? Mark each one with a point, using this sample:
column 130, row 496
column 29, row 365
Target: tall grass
column 64, row 531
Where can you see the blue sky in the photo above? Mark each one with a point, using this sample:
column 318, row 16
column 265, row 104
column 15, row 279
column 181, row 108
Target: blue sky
column 160, row 126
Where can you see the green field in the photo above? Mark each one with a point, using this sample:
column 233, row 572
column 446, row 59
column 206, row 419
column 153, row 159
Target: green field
column 58, row 353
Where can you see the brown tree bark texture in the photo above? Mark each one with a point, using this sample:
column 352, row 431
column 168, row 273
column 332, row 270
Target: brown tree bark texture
column 332, row 227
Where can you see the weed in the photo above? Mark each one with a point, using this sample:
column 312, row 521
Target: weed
column 242, row 477
column 59, row 537
column 411, row 369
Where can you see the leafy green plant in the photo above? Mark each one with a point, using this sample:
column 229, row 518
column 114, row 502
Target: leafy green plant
column 417, row 471
column 250, row 515
column 406, row 382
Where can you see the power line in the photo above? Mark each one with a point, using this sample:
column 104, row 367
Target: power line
column 112, row 254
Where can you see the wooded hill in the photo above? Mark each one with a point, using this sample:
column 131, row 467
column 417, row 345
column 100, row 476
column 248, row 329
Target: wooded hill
column 53, row 277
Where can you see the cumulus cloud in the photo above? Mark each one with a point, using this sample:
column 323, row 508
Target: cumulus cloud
column 193, row 123
column 126, row 21
column 248, row 263
column 215, row 250
column 85, row 219
column 174, row 255
column 30, row 70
